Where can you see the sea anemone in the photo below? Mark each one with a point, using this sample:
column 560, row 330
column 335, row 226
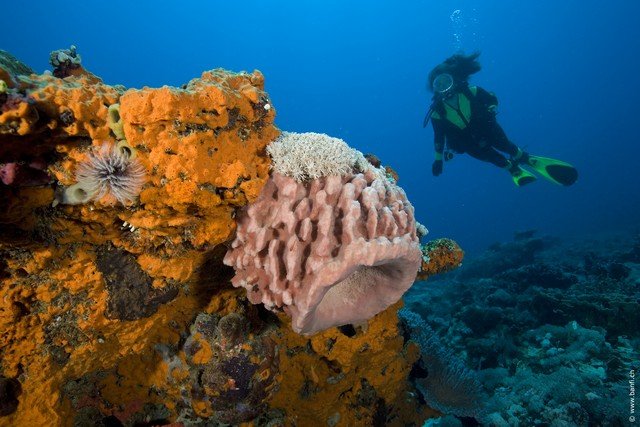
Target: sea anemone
column 114, row 170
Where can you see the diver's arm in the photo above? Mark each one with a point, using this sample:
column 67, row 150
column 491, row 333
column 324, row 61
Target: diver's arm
column 438, row 145
column 438, row 138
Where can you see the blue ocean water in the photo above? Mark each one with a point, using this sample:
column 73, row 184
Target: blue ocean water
column 565, row 74
column 544, row 322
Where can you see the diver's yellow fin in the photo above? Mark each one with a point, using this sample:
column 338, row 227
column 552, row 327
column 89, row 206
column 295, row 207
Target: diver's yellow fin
column 557, row 171
column 521, row 176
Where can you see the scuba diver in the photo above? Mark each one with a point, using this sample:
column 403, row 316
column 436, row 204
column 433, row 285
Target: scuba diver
column 464, row 121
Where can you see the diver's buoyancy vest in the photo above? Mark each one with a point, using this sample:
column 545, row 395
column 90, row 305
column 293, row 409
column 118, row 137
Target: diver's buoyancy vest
column 458, row 117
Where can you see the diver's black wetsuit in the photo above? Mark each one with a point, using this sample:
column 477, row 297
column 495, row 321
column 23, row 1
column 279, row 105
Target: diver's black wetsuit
column 481, row 135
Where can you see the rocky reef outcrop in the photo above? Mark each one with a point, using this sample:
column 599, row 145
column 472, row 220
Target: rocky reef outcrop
column 118, row 206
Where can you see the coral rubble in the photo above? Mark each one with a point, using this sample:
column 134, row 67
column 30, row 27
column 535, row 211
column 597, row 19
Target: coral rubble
column 115, row 306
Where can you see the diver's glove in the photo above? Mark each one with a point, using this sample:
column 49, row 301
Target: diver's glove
column 436, row 168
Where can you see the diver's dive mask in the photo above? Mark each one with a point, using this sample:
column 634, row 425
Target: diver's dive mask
column 443, row 85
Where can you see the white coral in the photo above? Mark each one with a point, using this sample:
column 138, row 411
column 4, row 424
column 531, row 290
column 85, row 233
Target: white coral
column 421, row 230
column 309, row 155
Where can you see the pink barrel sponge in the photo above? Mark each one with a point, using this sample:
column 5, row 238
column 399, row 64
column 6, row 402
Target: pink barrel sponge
column 330, row 251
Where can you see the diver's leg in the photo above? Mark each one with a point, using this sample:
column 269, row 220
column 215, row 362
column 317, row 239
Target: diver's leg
column 500, row 141
column 488, row 154
column 554, row 170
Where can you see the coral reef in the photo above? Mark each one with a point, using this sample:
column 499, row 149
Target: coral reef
column 550, row 325
column 11, row 68
column 226, row 368
column 115, row 305
column 65, row 62
column 90, row 290
column 350, row 376
column 439, row 256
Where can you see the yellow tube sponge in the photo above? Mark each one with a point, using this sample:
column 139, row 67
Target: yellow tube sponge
column 115, row 121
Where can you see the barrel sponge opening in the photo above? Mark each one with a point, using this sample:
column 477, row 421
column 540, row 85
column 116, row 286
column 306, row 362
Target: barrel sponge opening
column 360, row 295
column 329, row 251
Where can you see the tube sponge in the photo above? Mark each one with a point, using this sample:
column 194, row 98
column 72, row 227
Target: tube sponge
column 330, row 251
